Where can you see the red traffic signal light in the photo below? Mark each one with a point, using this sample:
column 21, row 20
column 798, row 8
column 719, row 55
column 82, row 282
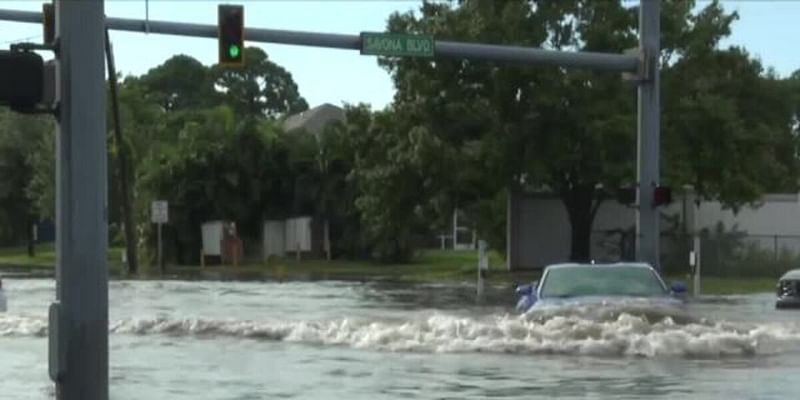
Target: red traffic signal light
column 230, row 27
column 21, row 79
column 662, row 195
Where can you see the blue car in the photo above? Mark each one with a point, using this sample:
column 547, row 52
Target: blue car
column 789, row 290
column 563, row 284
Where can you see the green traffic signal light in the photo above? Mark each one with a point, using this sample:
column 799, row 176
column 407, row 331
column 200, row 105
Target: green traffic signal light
column 231, row 34
column 233, row 51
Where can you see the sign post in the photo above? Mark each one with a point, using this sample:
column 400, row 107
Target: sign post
column 159, row 214
column 483, row 267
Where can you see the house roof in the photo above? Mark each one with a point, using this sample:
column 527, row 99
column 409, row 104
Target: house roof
column 314, row 120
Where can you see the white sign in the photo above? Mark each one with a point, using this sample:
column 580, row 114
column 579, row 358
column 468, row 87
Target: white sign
column 159, row 213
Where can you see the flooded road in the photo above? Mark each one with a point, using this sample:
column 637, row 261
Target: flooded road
column 345, row 340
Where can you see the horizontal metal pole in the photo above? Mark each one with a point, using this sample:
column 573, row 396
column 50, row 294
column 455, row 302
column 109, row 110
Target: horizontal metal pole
column 21, row 16
column 444, row 49
column 533, row 55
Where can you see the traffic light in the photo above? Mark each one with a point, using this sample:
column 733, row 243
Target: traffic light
column 48, row 23
column 231, row 34
column 662, row 196
column 21, row 80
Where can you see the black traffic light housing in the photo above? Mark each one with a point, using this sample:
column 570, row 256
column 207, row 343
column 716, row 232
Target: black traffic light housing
column 21, row 80
column 230, row 27
column 48, row 23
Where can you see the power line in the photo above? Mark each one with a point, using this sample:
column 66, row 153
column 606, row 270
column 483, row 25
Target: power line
column 20, row 40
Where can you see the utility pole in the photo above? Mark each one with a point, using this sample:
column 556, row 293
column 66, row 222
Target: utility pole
column 79, row 317
column 122, row 163
column 648, row 134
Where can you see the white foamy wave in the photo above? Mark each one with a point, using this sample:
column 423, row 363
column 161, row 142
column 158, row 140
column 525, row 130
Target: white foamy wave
column 623, row 335
column 20, row 325
column 627, row 335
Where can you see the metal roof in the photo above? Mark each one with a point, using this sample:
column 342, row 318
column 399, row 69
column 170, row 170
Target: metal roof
column 314, row 120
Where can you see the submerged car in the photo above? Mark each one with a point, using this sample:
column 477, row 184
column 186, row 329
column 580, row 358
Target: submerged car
column 789, row 290
column 599, row 283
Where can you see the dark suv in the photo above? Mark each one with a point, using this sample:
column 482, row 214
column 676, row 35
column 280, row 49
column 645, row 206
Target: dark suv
column 789, row 290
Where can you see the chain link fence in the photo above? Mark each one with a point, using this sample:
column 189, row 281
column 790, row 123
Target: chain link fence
column 726, row 254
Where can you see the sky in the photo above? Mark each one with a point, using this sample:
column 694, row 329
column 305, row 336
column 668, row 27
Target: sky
column 768, row 29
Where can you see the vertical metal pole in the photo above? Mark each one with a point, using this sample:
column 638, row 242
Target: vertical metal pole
column 697, row 264
column 79, row 342
column 696, row 245
column 455, row 227
column 160, row 250
column 483, row 267
column 647, row 221
column 775, row 246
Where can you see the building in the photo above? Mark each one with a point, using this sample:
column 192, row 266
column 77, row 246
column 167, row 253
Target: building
column 314, row 120
column 538, row 229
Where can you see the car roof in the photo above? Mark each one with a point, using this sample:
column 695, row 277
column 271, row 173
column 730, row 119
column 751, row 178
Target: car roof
column 792, row 274
column 603, row 265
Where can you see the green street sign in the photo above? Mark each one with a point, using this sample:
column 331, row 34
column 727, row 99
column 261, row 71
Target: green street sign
column 389, row 44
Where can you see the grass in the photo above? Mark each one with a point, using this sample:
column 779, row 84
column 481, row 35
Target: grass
column 429, row 266
column 17, row 258
column 724, row 286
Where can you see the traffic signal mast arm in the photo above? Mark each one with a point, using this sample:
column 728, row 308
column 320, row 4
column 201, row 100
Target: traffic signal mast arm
column 444, row 49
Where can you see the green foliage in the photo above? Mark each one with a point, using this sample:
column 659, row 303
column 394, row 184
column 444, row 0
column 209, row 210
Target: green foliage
column 389, row 171
column 21, row 137
column 460, row 133
column 41, row 188
column 180, row 83
column 726, row 124
column 260, row 87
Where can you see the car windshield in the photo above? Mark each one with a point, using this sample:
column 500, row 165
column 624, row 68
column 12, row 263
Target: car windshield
column 601, row 281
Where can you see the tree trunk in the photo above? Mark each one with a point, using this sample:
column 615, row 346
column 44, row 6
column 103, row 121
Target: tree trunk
column 31, row 238
column 581, row 208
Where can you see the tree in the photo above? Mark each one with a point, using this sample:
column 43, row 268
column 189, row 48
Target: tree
column 390, row 160
column 20, row 138
column 561, row 130
column 220, row 169
column 41, row 188
column 728, row 124
column 260, row 87
column 572, row 132
column 180, row 83
column 729, row 129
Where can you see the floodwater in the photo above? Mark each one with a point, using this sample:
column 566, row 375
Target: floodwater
column 350, row 340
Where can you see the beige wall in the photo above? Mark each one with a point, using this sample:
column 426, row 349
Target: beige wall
column 539, row 232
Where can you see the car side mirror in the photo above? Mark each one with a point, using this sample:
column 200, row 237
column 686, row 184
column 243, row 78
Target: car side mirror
column 678, row 287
